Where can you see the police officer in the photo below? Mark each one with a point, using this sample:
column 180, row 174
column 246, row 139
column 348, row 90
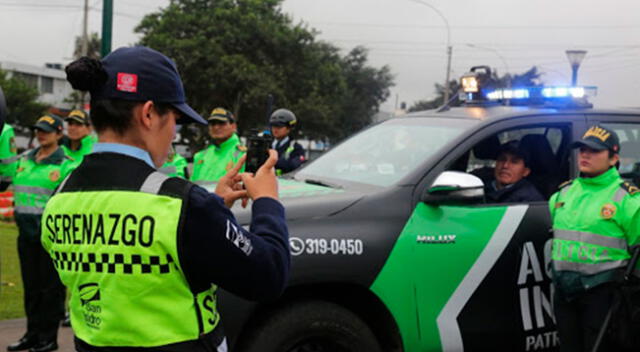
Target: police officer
column 142, row 254
column 175, row 166
column 80, row 139
column 226, row 150
column 8, row 149
column 39, row 172
column 596, row 218
column 290, row 153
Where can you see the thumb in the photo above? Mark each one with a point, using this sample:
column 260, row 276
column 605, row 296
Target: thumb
column 271, row 162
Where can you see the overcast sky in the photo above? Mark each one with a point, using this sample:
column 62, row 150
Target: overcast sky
column 409, row 37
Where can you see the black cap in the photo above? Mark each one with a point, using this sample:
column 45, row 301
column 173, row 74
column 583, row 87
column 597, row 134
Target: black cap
column 221, row 115
column 513, row 147
column 48, row 123
column 599, row 138
column 79, row 116
column 140, row 74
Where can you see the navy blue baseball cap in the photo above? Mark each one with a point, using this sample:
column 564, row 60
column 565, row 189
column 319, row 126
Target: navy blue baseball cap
column 139, row 73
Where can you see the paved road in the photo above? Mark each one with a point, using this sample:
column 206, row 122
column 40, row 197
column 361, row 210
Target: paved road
column 12, row 330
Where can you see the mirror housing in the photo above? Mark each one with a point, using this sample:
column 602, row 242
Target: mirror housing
column 454, row 187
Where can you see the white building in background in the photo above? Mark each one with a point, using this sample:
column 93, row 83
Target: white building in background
column 50, row 80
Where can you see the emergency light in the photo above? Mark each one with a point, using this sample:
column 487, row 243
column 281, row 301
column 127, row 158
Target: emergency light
column 546, row 93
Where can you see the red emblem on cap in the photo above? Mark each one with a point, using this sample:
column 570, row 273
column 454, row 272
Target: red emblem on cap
column 127, row 82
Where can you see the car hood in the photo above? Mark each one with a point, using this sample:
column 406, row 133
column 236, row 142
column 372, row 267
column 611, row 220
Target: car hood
column 302, row 200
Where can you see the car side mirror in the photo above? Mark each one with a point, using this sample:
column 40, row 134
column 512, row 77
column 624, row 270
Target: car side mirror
column 454, row 187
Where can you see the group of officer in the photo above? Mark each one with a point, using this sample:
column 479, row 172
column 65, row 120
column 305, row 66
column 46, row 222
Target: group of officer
column 39, row 174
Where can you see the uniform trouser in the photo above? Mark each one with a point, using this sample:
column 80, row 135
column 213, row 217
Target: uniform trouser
column 579, row 320
column 43, row 292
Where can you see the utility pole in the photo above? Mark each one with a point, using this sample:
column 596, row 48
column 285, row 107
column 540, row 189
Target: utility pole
column 85, row 35
column 107, row 24
column 446, row 81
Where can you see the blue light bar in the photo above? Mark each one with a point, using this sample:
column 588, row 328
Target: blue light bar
column 509, row 94
column 559, row 92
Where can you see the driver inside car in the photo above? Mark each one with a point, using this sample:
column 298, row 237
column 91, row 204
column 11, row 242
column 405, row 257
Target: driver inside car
column 510, row 184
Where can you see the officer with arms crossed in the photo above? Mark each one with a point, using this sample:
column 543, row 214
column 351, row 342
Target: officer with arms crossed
column 213, row 162
column 143, row 254
column 290, row 153
column 596, row 218
column 510, row 184
column 39, row 172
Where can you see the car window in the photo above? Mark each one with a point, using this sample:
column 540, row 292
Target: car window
column 383, row 154
column 629, row 134
column 548, row 167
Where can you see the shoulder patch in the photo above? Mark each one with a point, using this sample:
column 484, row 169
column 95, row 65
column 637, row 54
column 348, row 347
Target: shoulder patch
column 630, row 187
column 242, row 148
column 565, row 184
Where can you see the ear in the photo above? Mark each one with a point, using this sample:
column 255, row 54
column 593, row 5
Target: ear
column 527, row 171
column 614, row 159
column 146, row 112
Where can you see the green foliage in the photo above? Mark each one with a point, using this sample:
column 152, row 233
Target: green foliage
column 24, row 109
column 234, row 53
column 11, row 305
column 529, row 78
column 93, row 47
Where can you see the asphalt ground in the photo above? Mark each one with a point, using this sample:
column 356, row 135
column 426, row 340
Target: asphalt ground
column 12, row 330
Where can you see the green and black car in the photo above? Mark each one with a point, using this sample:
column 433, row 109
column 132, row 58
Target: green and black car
column 394, row 247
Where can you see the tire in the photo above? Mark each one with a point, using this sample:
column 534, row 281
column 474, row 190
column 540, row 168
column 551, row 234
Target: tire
column 312, row 326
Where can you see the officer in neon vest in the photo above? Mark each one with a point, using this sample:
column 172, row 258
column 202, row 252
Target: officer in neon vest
column 80, row 140
column 290, row 153
column 218, row 158
column 39, row 172
column 596, row 218
column 8, row 149
column 175, row 166
column 142, row 254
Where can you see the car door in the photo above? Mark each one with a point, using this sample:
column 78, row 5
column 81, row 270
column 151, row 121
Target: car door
column 481, row 272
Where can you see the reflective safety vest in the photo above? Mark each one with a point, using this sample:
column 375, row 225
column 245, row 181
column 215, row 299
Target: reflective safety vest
column 86, row 147
column 117, row 253
column 595, row 220
column 175, row 166
column 214, row 162
column 8, row 154
column 35, row 182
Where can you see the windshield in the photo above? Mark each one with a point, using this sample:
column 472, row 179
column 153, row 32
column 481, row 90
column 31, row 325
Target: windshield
column 385, row 153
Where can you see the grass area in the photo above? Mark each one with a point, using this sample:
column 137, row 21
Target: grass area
column 10, row 282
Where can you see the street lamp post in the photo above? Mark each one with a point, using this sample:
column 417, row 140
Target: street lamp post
column 449, row 48
column 575, row 58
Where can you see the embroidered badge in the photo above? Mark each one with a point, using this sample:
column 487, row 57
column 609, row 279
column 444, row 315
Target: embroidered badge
column 54, row 175
column 20, row 169
column 201, row 161
column 608, row 211
column 127, row 82
column 559, row 205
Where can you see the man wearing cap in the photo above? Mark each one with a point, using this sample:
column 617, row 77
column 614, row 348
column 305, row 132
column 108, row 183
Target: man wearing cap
column 80, row 140
column 39, row 172
column 596, row 218
column 510, row 184
column 225, row 150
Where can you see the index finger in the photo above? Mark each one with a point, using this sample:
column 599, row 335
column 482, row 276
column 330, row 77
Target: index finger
column 236, row 168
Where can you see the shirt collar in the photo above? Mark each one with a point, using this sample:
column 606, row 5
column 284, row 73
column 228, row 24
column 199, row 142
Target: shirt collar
column 608, row 177
column 125, row 149
column 231, row 141
column 280, row 142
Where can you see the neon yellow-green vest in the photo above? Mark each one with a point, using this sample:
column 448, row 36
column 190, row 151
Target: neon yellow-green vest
column 116, row 251
column 595, row 220
column 213, row 162
column 34, row 182
column 86, row 146
column 8, row 154
column 175, row 166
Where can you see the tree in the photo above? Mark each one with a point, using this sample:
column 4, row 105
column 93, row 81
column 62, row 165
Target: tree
column 78, row 98
column 529, row 78
column 24, row 109
column 234, row 53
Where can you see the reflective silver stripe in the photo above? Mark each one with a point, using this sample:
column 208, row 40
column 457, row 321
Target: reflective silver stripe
column 23, row 209
column 64, row 182
column 10, row 160
column 591, row 238
column 619, row 195
column 33, row 190
column 153, row 183
column 205, row 183
column 8, row 179
column 167, row 170
column 589, row 268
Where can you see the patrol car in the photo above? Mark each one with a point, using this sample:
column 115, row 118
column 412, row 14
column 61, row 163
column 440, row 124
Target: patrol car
column 394, row 247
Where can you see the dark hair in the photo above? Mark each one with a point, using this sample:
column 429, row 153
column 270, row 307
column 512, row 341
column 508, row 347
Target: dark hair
column 87, row 74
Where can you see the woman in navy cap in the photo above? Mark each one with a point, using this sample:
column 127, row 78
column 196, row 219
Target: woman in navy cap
column 143, row 254
column 39, row 172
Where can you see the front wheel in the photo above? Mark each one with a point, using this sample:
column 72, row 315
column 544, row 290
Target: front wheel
column 313, row 326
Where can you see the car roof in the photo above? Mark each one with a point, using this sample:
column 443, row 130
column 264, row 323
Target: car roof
column 497, row 112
